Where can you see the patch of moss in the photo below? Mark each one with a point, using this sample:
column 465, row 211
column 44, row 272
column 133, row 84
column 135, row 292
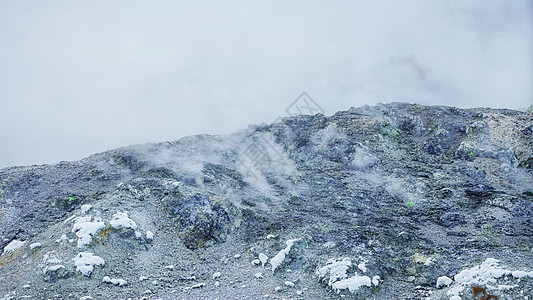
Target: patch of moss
column 528, row 163
column 391, row 132
column 65, row 202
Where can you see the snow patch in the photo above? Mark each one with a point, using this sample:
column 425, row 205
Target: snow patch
column 85, row 229
column 352, row 284
column 443, row 281
column 85, row 208
column 263, row 258
column 336, row 269
column 215, row 275
column 114, row 281
column 69, row 219
column 278, row 259
column 35, row 245
column 196, row 286
column 361, row 266
column 62, row 238
column 375, row 280
column 149, row 235
column 121, row 219
column 485, row 274
column 428, row 262
column 521, row 274
column 338, row 277
column 13, row 246
column 86, row 261
column 289, row 283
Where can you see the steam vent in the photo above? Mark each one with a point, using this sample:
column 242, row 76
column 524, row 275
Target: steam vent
column 394, row 201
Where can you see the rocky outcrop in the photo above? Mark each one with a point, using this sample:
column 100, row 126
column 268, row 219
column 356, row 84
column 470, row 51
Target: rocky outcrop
column 395, row 201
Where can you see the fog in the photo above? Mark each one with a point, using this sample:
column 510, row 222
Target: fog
column 79, row 77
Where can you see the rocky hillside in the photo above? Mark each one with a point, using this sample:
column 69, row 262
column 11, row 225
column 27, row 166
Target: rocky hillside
column 395, row 201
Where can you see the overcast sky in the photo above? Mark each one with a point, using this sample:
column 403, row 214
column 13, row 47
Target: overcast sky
column 80, row 77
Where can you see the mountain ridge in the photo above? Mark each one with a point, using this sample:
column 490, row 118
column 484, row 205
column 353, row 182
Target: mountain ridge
column 379, row 201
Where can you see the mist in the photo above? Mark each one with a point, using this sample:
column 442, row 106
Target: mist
column 80, row 77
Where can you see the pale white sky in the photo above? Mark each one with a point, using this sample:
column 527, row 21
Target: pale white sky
column 80, row 77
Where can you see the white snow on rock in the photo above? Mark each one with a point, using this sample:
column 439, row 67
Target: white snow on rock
column 428, row 262
column 375, row 280
column 196, row 286
column 338, row 278
column 35, row 245
column 114, row 281
column 486, row 274
column 258, row 275
column 86, row 298
column 443, row 281
column 85, row 208
column 336, row 269
column 289, row 283
column 86, row 261
column 263, row 258
column 278, row 259
column 215, row 275
column 121, row 219
column 255, row 262
column 138, row 235
column 69, row 219
column 62, row 238
column 13, row 246
column 149, row 235
column 270, row 236
column 361, row 266
column 85, row 229
column 521, row 274
column 352, row 284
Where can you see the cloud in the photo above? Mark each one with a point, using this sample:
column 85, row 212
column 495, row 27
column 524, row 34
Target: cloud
column 82, row 77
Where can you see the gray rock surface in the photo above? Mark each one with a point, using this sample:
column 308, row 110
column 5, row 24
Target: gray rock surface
column 376, row 202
